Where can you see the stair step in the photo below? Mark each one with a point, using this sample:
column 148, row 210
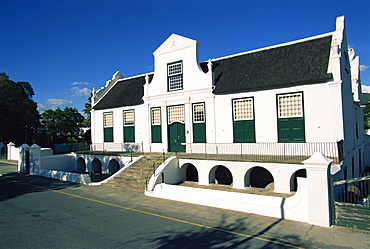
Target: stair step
column 133, row 178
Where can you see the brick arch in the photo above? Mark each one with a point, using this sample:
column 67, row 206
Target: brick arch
column 258, row 177
column 220, row 174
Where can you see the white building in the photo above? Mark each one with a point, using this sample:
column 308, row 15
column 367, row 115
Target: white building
column 299, row 94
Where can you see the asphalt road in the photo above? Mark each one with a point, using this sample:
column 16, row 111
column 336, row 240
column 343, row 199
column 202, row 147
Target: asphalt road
column 38, row 212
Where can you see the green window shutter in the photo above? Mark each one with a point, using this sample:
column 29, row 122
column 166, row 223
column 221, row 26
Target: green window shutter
column 291, row 130
column 199, row 133
column 156, row 134
column 108, row 134
column 244, row 131
column 129, row 134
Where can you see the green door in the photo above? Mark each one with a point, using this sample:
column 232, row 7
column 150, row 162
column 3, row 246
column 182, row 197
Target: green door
column 176, row 136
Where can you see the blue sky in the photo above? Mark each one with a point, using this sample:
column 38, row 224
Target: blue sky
column 64, row 48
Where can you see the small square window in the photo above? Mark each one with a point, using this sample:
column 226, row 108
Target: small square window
column 108, row 119
column 128, row 118
column 290, row 105
column 156, row 116
column 198, row 113
column 243, row 109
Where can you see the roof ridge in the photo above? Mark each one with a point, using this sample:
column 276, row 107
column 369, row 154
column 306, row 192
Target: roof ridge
column 274, row 46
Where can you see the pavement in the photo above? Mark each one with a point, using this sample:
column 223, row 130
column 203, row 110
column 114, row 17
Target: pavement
column 281, row 232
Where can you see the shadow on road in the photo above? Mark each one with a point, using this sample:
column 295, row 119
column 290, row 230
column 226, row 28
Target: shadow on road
column 226, row 236
column 15, row 184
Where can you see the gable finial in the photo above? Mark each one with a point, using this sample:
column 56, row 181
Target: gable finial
column 146, row 78
column 209, row 65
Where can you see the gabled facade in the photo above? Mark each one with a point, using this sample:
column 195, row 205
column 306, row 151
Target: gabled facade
column 305, row 91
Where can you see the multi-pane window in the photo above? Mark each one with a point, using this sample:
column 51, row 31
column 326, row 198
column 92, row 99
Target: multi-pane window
column 108, row 126
column 243, row 109
column 156, row 128
column 108, row 119
column 174, row 74
column 290, row 105
column 128, row 118
column 290, row 112
column 198, row 113
column 156, row 116
column 176, row 114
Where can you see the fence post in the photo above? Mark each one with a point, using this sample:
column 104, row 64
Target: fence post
column 318, row 189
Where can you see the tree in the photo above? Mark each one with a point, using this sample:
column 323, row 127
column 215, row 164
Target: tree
column 87, row 111
column 18, row 112
column 62, row 125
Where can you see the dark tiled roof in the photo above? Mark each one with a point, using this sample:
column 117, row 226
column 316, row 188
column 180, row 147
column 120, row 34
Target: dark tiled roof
column 296, row 64
column 126, row 92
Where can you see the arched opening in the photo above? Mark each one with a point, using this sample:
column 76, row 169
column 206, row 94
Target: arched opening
column 191, row 173
column 293, row 179
column 81, row 165
column 260, row 178
column 96, row 170
column 113, row 166
column 220, row 175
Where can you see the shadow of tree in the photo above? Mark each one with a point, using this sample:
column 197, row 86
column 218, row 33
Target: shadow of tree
column 224, row 235
column 15, row 184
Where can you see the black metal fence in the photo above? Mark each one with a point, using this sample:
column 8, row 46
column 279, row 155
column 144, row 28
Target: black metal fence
column 355, row 190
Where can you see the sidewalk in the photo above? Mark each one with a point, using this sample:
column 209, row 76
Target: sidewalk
column 291, row 232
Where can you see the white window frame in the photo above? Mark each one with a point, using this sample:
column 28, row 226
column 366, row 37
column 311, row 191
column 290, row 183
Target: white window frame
column 199, row 115
column 290, row 105
column 127, row 119
column 176, row 114
column 156, row 116
column 175, row 76
column 243, row 109
column 107, row 119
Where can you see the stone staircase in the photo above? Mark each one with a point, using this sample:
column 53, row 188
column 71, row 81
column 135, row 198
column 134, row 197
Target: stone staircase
column 134, row 177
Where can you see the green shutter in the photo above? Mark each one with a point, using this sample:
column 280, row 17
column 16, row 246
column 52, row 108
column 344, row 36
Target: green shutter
column 108, row 134
column 129, row 134
column 244, row 131
column 156, row 134
column 291, row 130
column 199, row 133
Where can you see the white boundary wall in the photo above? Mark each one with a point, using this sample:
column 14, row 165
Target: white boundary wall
column 311, row 203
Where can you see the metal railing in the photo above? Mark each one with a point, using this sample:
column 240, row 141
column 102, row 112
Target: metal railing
column 355, row 190
column 271, row 152
column 118, row 147
column 157, row 162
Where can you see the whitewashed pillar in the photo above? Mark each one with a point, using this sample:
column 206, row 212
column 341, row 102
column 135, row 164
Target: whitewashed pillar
column 318, row 188
column 35, row 157
column 10, row 146
column 23, row 162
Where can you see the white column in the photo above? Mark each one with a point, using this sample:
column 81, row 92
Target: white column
column 23, row 158
column 318, row 188
column 10, row 150
column 35, row 162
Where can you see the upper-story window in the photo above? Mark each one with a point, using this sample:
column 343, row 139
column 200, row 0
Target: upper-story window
column 243, row 109
column 290, row 105
column 174, row 76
